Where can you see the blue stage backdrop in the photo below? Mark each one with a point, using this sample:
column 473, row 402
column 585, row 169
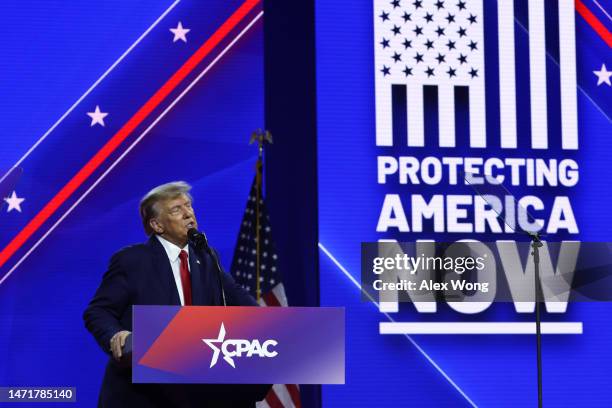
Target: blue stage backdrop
column 101, row 102
column 481, row 85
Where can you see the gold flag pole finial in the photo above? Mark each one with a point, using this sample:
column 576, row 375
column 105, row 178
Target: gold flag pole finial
column 261, row 137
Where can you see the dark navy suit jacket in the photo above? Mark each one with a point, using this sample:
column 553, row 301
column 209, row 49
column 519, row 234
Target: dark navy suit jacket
column 141, row 275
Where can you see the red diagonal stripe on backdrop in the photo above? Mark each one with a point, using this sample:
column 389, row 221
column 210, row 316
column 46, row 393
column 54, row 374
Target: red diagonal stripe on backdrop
column 127, row 129
column 594, row 22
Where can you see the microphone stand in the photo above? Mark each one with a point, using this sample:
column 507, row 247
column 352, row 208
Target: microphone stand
column 200, row 242
column 536, row 243
column 214, row 256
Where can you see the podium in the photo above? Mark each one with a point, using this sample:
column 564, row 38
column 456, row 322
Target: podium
column 236, row 353
column 230, row 395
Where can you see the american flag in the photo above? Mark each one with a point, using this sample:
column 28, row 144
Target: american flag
column 244, row 271
column 430, row 63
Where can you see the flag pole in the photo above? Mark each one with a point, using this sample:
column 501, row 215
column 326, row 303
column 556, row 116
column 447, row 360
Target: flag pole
column 261, row 137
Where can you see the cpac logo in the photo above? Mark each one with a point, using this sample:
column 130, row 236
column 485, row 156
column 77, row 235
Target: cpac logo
column 237, row 347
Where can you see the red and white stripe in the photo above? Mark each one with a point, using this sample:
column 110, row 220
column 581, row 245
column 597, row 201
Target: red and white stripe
column 281, row 395
column 275, row 297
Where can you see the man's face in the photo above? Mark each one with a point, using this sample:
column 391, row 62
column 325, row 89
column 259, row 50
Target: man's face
column 175, row 217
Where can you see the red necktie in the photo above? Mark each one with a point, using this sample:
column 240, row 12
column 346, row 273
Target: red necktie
column 185, row 278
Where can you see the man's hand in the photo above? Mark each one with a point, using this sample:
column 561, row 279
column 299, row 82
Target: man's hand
column 117, row 342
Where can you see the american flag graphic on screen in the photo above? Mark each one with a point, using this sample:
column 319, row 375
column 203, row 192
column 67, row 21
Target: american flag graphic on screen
column 430, row 59
column 244, row 271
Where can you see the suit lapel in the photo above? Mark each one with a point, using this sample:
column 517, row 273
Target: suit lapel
column 163, row 270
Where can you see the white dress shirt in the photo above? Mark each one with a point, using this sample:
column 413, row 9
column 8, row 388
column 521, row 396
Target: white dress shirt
column 173, row 252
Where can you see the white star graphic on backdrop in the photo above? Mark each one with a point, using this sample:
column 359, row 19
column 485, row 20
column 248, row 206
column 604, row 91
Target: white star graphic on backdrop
column 603, row 75
column 180, row 33
column 97, row 116
column 14, row 202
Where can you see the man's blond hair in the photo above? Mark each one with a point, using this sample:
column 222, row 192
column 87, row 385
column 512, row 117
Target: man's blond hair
column 148, row 208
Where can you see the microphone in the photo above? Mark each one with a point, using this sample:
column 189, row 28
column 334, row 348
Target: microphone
column 198, row 239
column 200, row 242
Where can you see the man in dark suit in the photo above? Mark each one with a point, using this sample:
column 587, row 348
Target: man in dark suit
column 165, row 270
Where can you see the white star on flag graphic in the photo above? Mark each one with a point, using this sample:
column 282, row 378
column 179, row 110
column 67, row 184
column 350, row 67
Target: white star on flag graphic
column 180, row 33
column 14, row 202
column 97, row 116
column 603, row 75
